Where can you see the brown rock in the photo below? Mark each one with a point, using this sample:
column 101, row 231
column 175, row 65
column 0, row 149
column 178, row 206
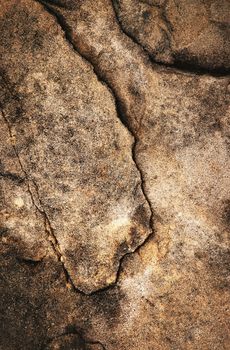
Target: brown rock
column 191, row 34
column 73, row 147
column 87, row 184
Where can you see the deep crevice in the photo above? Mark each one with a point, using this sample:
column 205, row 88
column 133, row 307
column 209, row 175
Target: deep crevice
column 194, row 68
column 188, row 66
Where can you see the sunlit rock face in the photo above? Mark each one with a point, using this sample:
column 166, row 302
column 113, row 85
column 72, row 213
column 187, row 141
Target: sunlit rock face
column 114, row 175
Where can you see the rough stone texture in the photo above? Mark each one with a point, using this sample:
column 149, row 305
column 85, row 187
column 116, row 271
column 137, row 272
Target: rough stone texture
column 73, row 147
column 114, row 175
column 176, row 31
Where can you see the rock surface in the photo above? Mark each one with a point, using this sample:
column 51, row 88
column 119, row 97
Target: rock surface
column 114, row 175
column 176, row 32
column 74, row 151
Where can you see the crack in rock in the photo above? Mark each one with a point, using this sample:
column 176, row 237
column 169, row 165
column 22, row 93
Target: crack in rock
column 47, row 225
column 121, row 115
column 181, row 66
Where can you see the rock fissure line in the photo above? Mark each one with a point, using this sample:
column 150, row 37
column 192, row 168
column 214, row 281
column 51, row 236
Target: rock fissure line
column 182, row 67
column 47, row 225
column 124, row 120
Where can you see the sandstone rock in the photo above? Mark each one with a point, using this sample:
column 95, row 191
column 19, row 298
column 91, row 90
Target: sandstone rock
column 73, row 146
column 20, row 222
column 106, row 154
column 186, row 33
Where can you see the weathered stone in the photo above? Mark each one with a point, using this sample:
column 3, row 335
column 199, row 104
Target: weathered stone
column 20, row 221
column 73, row 146
column 73, row 164
column 192, row 34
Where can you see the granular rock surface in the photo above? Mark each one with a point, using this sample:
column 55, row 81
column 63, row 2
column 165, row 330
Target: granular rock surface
column 114, row 175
